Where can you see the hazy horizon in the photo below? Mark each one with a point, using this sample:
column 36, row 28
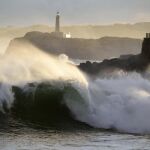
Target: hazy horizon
column 100, row 12
column 72, row 25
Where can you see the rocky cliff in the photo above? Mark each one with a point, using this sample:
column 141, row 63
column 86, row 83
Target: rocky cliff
column 138, row 63
column 96, row 49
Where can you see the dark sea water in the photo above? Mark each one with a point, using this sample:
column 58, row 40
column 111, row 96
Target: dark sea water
column 29, row 138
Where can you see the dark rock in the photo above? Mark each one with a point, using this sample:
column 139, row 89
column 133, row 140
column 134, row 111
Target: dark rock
column 146, row 48
column 138, row 63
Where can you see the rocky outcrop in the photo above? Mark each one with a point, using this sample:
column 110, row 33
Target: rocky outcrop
column 92, row 49
column 138, row 63
column 76, row 48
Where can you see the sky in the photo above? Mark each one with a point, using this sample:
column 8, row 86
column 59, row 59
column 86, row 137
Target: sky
column 29, row 12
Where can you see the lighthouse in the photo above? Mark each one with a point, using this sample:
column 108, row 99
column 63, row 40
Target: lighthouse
column 57, row 33
column 57, row 26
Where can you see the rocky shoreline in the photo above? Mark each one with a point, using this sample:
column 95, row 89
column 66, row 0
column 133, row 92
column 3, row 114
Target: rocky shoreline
column 138, row 63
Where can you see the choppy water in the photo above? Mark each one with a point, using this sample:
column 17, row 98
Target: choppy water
column 59, row 107
column 26, row 138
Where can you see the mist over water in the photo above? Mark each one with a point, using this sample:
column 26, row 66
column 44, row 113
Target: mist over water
column 31, row 64
column 119, row 102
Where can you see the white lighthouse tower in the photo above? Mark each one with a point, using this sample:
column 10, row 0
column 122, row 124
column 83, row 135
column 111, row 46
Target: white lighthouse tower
column 57, row 26
column 57, row 33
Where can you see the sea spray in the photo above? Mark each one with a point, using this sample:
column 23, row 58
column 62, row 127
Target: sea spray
column 22, row 66
column 32, row 64
column 6, row 97
column 121, row 103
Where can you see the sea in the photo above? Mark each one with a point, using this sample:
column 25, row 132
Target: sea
column 30, row 138
column 47, row 103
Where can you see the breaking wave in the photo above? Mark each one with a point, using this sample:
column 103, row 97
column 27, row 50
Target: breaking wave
column 121, row 103
column 42, row 87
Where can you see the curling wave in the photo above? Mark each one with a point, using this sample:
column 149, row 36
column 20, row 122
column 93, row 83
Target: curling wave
column 48, row 89
column 121, row 103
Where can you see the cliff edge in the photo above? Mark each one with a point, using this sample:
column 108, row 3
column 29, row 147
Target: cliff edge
column 88, row 49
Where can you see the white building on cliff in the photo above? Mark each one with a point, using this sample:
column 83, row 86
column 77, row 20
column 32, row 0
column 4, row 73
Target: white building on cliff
column 57, row 33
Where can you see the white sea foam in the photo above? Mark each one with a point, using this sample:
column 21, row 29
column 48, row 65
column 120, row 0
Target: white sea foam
column 121, row 103
column 6, row 97
column 27, row 64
